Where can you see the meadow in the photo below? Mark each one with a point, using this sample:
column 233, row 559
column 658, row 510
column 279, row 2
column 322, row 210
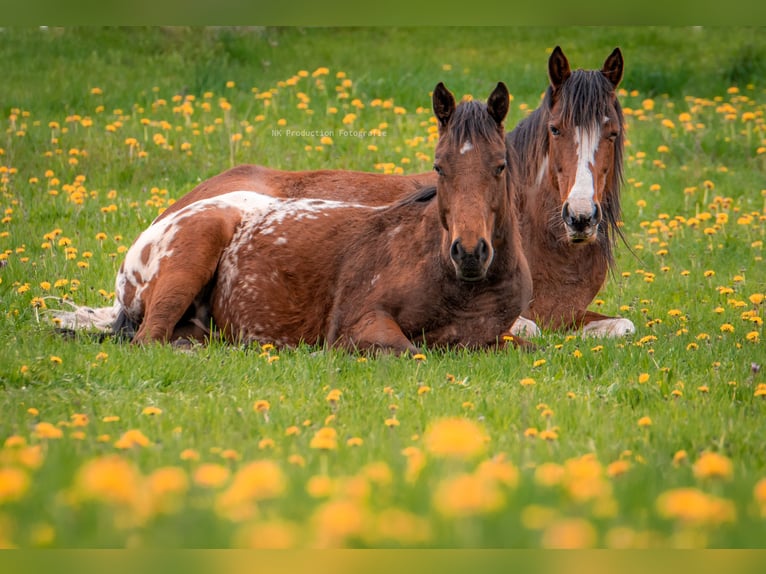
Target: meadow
column 652, row 441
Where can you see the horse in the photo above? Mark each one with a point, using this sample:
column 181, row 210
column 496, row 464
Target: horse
column 442, row 266
column 569, row 153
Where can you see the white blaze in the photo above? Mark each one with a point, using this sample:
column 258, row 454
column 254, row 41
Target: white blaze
column 467, row 146
column 581, row 195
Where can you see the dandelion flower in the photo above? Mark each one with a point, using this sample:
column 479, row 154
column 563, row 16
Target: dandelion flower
column 151, row 411
column 712, row 465
column 326, row 438
column 261, row 406
column 467, row 495
column 458, row 438
column 644, row 422
column 211, row 475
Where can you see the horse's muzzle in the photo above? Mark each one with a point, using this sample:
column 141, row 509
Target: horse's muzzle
column 471, row 266
column 582, row 227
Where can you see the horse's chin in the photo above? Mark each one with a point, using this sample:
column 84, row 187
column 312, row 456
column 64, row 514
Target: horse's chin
column 582, row 237
column 470, row 276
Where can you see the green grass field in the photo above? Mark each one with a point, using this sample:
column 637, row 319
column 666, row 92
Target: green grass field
column 656, row 440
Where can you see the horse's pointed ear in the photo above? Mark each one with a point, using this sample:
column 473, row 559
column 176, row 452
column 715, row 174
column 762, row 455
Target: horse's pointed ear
column 558, row 68
column 498, row 102
column 444, row 104
column 613, row 67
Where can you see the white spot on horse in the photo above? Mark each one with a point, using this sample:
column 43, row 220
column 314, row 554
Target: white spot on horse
column 615, row 327
column 467, row 146
column 580, row 197
column 374, row 280
column 543, row 171
column 281, row 241
column 523, row 327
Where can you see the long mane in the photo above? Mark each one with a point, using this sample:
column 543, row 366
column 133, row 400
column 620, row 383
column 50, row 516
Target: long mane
column 585, row 98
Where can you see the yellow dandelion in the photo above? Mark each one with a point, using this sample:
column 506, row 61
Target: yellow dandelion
column 14, row 483
column 644, row 422
column 189, row 454
column 261, row 406
column 45, row 430
column 326, row 438
column 211, row 475
column 458, row 438
column 151, row 411
column 713, row 465
column 131, row 438
column 467, row 495
column 527, row 382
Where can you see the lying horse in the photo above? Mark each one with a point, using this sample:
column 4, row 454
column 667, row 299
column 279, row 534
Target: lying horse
column 443, row 266
column 568, row 156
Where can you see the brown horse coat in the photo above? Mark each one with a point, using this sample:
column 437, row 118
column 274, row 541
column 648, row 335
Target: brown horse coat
column 443, row 267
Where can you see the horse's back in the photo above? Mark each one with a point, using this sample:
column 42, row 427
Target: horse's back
column 339, row 185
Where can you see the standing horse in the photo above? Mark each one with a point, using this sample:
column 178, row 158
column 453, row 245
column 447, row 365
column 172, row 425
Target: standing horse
column 569, row 153
column 570, row 164
column 444, row 266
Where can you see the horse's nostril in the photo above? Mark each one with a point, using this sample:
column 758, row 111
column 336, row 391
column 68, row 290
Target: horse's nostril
column 565, row 214
column 482, row 251
column 456, row 251
column 596, row 217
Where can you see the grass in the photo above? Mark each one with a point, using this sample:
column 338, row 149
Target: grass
column 651, row 441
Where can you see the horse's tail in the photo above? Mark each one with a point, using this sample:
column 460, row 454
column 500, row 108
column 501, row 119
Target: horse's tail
column 99, row 320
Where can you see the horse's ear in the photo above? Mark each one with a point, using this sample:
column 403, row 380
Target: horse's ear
column 613, row 67
column 498, row 102
column 444, row 104
column 558, row 68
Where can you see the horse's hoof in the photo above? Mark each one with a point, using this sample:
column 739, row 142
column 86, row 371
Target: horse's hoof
column 616, row 327
column 523, row 327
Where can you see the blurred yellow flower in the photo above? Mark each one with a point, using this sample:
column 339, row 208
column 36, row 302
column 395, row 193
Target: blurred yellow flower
column 47, row 431
column 326, row 438
column 467, row 495
column 644, row 422
column 131, row 438
column 261, row 406
column 691, row 505
column 14, row 483
column 211, row 475
column 455, row 437
column 713, row 465
column 110, row 479
column 569, row 533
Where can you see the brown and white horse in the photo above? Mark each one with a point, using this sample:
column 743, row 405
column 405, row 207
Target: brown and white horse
column 443, row 266
column 570, row 163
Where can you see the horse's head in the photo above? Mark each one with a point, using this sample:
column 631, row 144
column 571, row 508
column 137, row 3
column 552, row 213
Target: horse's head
column 472, row 187
column 585, row 142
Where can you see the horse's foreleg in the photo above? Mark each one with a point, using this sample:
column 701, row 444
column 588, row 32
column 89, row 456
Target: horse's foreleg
column 378, row 330
column 598, row 325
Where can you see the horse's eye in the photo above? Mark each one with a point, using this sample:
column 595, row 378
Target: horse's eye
column 438, row 170
column 555, row 131
column 500, row 169
column 612, row 136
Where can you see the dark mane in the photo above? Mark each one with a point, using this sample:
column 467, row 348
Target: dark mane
column 423, row 195
column 584, row 98
column 471, row 121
